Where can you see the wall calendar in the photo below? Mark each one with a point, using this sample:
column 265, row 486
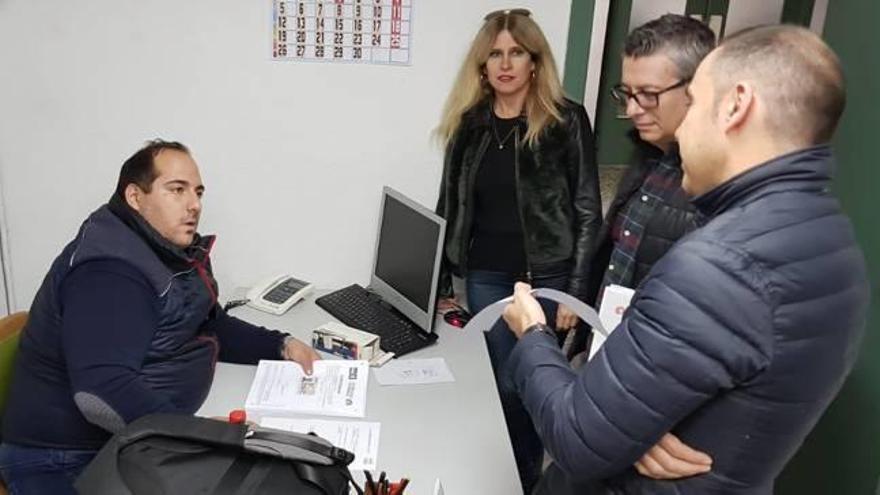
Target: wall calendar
column 365, row 31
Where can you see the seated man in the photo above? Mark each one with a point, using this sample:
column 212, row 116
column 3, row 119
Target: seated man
column 740, row 337
column 126, row 323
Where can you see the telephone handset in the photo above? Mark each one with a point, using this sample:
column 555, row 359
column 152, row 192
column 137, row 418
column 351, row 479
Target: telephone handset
column 277, row 294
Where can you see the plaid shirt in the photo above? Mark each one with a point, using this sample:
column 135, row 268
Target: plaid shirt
column 661, row 185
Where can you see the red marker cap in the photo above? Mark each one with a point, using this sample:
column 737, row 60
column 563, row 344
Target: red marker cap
column 237, row 416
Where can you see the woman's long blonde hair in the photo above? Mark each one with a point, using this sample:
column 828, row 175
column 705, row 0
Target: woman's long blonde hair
column 545, row 91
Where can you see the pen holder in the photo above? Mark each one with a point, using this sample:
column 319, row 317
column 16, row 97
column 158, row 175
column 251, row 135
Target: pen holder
column 383, row 485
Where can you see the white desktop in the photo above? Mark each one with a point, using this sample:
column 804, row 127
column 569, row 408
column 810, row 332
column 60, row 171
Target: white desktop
column 452, row 431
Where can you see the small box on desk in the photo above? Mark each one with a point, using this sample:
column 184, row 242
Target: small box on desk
column 344, row 341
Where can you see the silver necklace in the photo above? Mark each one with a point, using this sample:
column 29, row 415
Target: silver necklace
column 501, row 142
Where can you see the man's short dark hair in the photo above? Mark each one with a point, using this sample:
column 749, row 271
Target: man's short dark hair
column 683, row 39
column 140, row 168
column 798, row 75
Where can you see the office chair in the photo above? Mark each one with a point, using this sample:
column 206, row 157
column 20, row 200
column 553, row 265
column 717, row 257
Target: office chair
column 10, row 330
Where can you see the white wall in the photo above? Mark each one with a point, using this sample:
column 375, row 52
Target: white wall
column 293, row 154
column 747, row 13
column 817, row 23
column 647, row 10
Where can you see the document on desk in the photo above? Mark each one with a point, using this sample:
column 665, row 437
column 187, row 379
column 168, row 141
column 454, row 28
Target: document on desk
column 335, row 388
column 358, row 437
column 414, row 372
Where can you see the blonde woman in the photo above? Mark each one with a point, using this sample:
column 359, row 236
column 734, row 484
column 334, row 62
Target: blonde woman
column 520, row 190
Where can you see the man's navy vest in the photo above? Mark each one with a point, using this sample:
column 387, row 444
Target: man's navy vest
column 180, row 361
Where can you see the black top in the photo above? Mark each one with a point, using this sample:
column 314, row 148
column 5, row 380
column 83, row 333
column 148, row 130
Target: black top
column 497, row 237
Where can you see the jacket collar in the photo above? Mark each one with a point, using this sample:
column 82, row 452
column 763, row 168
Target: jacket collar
column 806, row 169
column 172, row 256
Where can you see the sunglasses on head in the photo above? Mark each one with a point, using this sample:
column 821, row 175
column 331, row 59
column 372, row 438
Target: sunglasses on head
column 499, row 13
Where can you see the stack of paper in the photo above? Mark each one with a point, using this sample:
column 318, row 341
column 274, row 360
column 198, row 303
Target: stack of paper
column 335, row 388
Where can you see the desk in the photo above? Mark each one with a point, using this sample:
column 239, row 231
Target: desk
column 452, row 431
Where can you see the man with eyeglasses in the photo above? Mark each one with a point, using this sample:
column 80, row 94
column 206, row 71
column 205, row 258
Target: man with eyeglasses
column 650, row 212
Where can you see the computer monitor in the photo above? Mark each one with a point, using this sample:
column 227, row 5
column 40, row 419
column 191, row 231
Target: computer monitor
column 406, row 266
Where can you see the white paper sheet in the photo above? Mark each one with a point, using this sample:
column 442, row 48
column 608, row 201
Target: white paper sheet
column 358, row 437
column 414, row 372
column 335, row 388
column 615, row 300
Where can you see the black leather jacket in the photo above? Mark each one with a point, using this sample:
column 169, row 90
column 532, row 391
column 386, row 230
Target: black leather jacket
column 557, row 192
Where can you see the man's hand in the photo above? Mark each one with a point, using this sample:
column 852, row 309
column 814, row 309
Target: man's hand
column 672, row 459
column 566, row 319
column 446, row 303
column 294, row 350
column 524, row 311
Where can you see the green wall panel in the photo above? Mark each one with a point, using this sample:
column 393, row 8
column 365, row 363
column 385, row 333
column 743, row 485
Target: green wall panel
column 580, row 26
column 798, row 12
column 842, row 455
column 612, row 145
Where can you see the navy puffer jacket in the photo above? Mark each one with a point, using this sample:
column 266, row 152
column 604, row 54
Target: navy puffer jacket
column 737, row 341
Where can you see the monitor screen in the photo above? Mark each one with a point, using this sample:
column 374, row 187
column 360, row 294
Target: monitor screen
column 408, row 252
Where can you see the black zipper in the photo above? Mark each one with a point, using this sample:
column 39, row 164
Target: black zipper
column 466, row 238
column 519, row 202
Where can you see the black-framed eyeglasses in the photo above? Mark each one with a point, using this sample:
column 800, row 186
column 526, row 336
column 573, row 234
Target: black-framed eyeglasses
column 498, row 13
column 645, row 99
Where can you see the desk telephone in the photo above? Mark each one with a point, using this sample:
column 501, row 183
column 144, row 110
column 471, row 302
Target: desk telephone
column 277, row 294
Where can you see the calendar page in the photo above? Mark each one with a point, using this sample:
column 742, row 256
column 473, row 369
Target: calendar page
column 365, row 31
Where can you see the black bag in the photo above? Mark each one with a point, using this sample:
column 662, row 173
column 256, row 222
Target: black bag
column 167, row 454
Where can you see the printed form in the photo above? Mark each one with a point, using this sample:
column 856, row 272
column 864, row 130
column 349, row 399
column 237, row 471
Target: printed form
column 335, row 388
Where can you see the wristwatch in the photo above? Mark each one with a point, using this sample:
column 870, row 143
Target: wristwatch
column 537, row 327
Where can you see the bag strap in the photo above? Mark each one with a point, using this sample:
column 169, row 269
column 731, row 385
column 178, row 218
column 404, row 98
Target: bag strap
column 295, row 446
column 184, row 427
column 235, row 476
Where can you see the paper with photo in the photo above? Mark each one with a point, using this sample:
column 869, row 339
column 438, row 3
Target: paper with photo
column 335, row 388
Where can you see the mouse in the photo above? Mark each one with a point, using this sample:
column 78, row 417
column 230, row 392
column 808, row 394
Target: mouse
column 457, row 317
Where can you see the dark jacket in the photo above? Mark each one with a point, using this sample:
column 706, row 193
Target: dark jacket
column 558, row 194
column 671, row 220
column 120, row 328
column 736, row 342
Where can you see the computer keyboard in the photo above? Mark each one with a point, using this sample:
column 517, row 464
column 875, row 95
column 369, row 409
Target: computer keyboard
column 358, row 308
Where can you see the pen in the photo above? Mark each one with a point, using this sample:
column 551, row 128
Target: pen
column 381, row 479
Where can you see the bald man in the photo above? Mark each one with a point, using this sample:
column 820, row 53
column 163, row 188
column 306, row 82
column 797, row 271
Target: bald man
column 739, row 338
